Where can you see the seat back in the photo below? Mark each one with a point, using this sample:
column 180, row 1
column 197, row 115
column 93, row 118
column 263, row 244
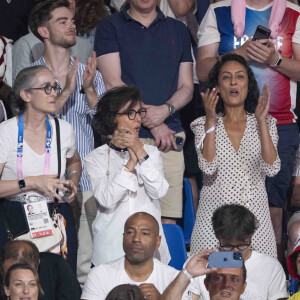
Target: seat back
column 175, row 241
column 189, row 213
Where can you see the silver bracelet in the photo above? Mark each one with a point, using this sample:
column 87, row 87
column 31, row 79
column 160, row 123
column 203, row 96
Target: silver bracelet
column 190, row 277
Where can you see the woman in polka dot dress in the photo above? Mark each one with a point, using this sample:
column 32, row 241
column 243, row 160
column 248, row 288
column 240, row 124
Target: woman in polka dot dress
column 236, row 146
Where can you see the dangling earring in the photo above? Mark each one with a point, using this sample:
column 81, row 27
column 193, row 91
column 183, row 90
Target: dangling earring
column 8, row 298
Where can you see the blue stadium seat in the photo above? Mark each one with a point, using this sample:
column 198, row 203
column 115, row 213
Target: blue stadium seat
column 175, row 241
column 188, row 213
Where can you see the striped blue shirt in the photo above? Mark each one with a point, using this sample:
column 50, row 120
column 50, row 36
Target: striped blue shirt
column 77, row 112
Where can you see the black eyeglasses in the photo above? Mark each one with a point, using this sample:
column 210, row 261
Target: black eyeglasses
column 48, row 88
column 240, row 247
column 132, row 113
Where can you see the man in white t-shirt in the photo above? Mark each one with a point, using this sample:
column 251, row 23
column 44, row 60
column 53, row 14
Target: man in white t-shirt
column 265, row 275
column 140, row 240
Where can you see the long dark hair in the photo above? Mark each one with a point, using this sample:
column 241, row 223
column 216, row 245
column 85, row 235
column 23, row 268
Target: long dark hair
column 253, row 91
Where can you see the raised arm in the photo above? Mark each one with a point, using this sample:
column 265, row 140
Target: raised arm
column 194, row 268
column 268, row 151
column 110, row 67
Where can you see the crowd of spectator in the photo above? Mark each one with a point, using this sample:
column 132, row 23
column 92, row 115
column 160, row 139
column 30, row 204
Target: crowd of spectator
column 106, row 105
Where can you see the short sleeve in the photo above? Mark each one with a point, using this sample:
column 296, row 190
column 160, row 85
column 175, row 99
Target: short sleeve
column 208, row 32
column 198, row 129
column 187, row 52
column 271, row 170
column 277, row 287
column 296, row 35
column 68, row 138
column 106, row 37
column 5, row 143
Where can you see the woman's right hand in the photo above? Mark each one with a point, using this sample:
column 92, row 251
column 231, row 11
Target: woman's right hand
column 210, row 100
column 47, row 184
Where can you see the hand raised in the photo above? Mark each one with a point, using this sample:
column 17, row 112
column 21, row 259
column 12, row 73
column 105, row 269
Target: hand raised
column 262, row 108
column 89, row 72
column 71, row 77
column 197, row 265
column 210, row 100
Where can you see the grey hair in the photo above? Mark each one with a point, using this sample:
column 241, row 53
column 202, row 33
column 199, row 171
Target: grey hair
column 24, row 81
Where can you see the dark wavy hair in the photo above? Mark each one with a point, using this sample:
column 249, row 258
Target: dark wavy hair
column 234, row 222
column 253, row 91
column 89, row 13
column 125, row 292
column 41, row 13
column 111, row 103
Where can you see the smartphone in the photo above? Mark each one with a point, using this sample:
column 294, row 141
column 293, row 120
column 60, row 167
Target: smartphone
column 261, row 33
column 225, row 259
column 179, row 143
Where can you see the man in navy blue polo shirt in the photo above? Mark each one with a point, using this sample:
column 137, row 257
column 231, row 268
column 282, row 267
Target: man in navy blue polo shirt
column 141, row 46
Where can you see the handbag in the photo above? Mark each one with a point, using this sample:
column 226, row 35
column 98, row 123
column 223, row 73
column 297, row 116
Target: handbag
column 55, row 243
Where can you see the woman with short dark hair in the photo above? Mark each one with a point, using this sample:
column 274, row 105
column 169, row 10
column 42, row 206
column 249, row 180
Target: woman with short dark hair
column 236, row 146
column 126, row 176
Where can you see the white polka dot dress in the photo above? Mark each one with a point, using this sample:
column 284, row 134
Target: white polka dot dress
column 235, row 177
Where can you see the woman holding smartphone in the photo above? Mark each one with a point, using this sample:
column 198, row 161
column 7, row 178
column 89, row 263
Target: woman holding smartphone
column 126, row 176
column 236, row 146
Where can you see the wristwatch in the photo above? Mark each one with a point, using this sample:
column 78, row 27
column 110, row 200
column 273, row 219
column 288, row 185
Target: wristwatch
column 142, row 160
column 278, row 62
column 171, row 108
column 22, row 184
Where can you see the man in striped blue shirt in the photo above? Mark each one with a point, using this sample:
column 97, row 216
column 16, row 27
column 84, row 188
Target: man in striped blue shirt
column 52, row 21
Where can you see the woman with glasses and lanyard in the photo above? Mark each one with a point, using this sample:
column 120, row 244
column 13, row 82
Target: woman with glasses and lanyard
column 234, row 226
column 126, row 176
column 29, row 160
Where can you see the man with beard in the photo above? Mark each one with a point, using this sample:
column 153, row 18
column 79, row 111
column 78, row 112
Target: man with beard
column 28, row 49
column 52, row 21
column 140, row 240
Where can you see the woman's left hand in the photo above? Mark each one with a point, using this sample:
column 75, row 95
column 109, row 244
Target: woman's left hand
column 263, row 105
column 71, row 186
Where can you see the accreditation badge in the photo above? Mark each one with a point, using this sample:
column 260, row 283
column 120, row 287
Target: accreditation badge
column 37, row 215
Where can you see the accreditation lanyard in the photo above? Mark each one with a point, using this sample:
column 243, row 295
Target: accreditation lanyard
column 20, row 148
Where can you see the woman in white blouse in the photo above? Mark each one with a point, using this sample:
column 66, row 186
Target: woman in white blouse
column 126, row 176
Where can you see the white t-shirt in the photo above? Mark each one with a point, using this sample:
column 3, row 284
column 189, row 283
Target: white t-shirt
column 102, row 279
column 265, row 280
column 33, row 163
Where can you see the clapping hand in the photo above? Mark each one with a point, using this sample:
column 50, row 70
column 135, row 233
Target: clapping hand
column 262, row 108
column 210, row 100
column 89, row 72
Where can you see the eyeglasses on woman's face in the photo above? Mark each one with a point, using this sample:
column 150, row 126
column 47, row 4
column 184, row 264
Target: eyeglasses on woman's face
column 240, row 247
column 48, row 88
column 132, row 113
